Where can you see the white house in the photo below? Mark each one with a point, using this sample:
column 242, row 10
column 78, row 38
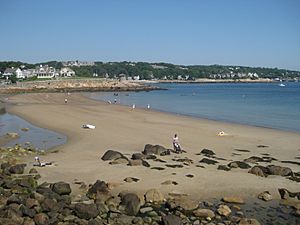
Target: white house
column 67, row 72
column 45, row 72
column 27, row 73
column 11, row 71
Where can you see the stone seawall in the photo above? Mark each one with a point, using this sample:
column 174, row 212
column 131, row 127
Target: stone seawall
column 76, row 85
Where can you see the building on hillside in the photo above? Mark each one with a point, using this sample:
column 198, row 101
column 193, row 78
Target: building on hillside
column 67, row 72
column 28, row 73
column 11, row 71
column 45, row 71
column 78, row 63
column 122, row 77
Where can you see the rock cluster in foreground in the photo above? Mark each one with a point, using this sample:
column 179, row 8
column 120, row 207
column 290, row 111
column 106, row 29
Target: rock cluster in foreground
column 25, row 202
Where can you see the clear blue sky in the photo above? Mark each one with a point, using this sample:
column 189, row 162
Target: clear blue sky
column 228, row 32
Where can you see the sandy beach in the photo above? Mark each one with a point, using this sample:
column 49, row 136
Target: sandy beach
column 126, row 130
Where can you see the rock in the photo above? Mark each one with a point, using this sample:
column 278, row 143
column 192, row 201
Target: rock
column 86, row 211
column 208, row 161
column 239, row 164
column 155, row 149
column 17, row 169
column 41, row 219
column 28, row 221
column 233, row 199
column 171, row 220
column 224, row 210
column 204, row 213
column 25, row 129
column 169, row 182
column 61, row 188
column 266, row 196
column 223, row 167
column 27, row 212
column 258, row 171
column 49, row 205
column 278, row 170
column 131, row 179
column 131, row 203
column 12, row 135
column 157, row 168
column 137, row 156
column 112, row 155
column 154, row 195
column 135, row 162
column 207, row 152
column 183, row 202
column 119, row 161
column 254, row 159
column 246, row 221
column 33, row 170
column 145, row 210
column 145, row 163
column 30, row 203
column 98, row 187
column 286, row 194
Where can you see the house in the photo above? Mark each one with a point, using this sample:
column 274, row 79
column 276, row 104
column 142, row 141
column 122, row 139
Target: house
column 44, row 71
column 28, row 73
column 8, row 72
column 11, row 71
column 67, row 72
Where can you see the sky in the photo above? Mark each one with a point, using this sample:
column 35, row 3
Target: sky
column 260, row 33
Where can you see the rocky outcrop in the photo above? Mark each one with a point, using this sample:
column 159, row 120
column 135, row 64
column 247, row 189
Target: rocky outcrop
column 112, row 155
column 155, row 149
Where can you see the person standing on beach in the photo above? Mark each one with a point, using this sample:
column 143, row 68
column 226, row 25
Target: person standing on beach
column 66, row 100
column 176, row 145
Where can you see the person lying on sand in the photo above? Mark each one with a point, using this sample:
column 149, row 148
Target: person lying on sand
column 41, row 164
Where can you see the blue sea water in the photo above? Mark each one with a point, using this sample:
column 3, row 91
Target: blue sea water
column 257, row 104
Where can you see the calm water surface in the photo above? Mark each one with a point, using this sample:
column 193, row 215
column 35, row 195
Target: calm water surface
column 40, row 138
column 261, row 104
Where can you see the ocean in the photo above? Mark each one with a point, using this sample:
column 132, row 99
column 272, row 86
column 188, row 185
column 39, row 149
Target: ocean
column 258, row 104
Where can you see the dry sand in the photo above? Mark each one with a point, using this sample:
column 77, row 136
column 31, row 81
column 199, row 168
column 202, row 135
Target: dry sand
column 126, row 130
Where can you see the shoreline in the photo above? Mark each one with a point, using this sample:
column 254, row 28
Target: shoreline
column 202, row 118
column 23, row 109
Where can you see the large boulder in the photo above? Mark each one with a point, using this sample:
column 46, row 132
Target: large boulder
column 131, row 203
column 258, row 171
column 279, row 170
column 61, row 188
column 17, row 169
column 155, row 149
column 208, row 161
column 171, row 220
column 154, row 195
column 207, row 152
column 112, row 155
column 99, row 187
column 86, row 211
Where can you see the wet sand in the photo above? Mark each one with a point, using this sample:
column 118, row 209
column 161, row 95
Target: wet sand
column 126, row 130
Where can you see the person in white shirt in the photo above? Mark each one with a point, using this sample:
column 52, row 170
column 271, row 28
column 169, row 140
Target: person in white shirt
column 176, row 145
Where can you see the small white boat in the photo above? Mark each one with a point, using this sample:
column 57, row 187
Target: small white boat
column 281, row 85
